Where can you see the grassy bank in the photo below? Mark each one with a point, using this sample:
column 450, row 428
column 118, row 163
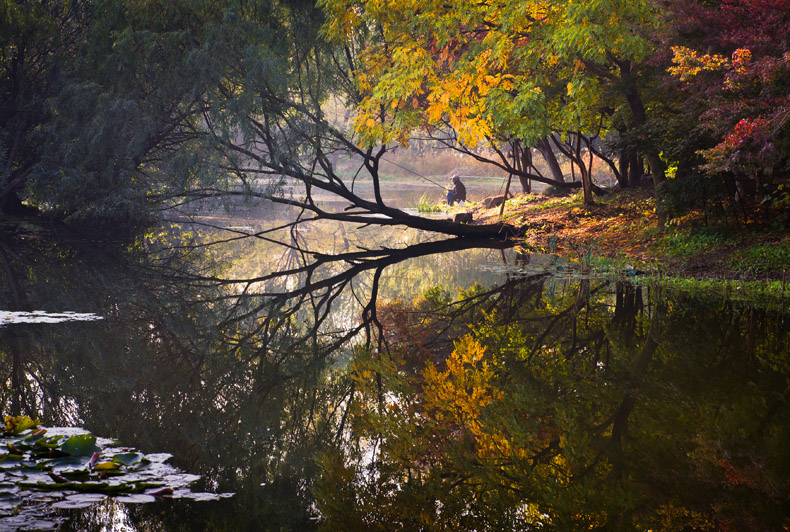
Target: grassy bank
column 620, row 230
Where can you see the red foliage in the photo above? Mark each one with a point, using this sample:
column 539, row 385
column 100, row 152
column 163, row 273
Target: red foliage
column 724, row 26
column 746, row 102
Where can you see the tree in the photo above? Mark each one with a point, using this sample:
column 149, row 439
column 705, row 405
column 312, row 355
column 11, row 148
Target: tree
column 497, row 71
column 99, row 110
column 38, row 42
column 208, row 102
column 732, row 60
column 266, row 123
column 126, row 126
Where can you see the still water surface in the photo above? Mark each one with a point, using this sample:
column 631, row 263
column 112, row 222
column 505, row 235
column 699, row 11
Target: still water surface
column 328, row 398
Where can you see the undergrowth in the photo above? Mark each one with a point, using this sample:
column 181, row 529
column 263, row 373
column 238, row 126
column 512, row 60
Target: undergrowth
column 762, row 258
column 689, row 244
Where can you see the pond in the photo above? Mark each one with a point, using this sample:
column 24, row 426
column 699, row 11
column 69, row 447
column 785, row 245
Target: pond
column 435, row 385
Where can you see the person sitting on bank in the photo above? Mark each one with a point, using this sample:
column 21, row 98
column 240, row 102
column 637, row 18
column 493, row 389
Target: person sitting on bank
column 457, row 193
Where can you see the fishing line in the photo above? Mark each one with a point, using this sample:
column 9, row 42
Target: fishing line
column 428, row 179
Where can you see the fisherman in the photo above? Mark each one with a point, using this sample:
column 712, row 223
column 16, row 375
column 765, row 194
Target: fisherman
column 457, row 193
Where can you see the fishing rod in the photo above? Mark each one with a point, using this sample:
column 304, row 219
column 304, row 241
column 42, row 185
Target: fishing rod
column 428, row 179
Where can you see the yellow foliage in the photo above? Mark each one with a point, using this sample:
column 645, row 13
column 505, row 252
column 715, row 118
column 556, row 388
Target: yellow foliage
column 464, row 388
column 460, row 393
column 688, row 63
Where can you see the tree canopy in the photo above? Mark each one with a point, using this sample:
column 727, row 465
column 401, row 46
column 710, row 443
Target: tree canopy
column 117, row 107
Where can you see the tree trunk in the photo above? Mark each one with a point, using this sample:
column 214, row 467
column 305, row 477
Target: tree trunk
column 622, row 170
column 657, row 170
column 635, row 169
column 587, row 191
column 639, row 115
column 545, row 149
column 522, row 161
column 504, row 199
column 584, row 172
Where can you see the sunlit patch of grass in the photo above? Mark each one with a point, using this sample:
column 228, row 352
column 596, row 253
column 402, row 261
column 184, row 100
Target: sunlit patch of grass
column 763, row 258
column 425, row 205
column 682, row 244
column 533, row 202
column 522, row 200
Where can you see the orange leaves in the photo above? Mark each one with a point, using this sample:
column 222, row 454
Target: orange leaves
column 740, row 58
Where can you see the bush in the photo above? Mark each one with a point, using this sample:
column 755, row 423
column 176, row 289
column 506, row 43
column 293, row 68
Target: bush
column 679, row 195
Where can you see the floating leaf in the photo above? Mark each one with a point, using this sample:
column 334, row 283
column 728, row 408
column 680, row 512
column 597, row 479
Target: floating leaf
column 72, row 505
column 136, row 498
column 65, row 461
column 76, row 474
column 127, row 459
column 81, row 500
column 82, row 445
column 50, row 472
column 13, row 449
column 58, row 478
column 161, row 491
column 138, row 466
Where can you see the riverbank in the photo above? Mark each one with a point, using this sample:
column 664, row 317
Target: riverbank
column 620, row 231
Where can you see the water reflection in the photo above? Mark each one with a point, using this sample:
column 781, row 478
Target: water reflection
column 589, row 405
column 327, row 389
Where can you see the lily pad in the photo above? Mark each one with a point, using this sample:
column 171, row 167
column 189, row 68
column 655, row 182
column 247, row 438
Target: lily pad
column 29, row 522
column 18, row 424
column 82, row 445
column 127, row 459
column 41, row 474
column 136, row 498
column 81, row 500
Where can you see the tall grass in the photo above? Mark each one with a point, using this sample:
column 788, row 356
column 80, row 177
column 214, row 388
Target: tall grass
column 425, row 205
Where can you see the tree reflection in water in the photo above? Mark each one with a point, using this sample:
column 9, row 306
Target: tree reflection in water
column 596, row 407
column 538, row 401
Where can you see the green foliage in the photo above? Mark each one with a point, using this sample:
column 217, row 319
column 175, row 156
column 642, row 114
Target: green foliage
column 38, row 43
column 679, row 195
column 140, row 100
column 17, row 424
column 687, row 244
column 764, row 258
column 512, row 69
column 124, row 125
